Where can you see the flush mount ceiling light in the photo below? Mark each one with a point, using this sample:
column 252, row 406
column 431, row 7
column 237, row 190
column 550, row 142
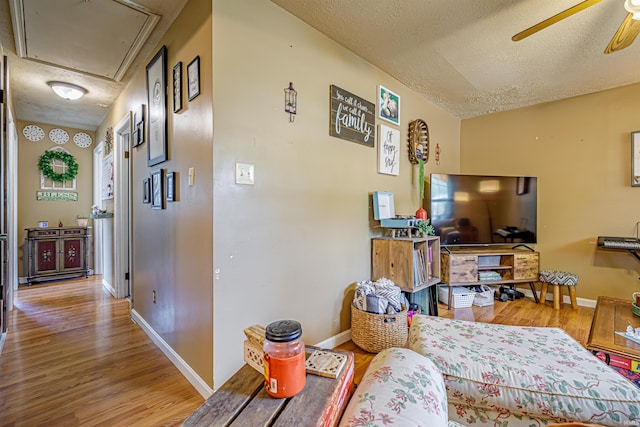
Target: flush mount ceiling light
column 633, row 7
column 67, row 90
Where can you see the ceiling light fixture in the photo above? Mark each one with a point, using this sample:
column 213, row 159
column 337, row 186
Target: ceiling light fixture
column 67, row 90
column 633, row 7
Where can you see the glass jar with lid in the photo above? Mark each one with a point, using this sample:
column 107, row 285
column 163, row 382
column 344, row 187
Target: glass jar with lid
column 284, row 359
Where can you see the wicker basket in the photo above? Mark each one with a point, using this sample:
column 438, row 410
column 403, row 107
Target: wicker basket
column 375, row 332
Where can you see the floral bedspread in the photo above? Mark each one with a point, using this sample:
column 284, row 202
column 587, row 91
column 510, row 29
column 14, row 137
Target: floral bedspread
column 498, row 375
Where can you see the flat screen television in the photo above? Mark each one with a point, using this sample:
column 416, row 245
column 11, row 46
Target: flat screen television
column 484, row 210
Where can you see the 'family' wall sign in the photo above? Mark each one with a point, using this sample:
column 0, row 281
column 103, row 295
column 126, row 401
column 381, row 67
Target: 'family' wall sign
column 352, row 118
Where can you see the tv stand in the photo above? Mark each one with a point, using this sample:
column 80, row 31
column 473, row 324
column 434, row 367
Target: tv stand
column 475, row 266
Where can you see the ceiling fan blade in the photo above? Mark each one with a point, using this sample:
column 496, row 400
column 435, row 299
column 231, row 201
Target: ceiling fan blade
column 555, row 18
column 626, row 34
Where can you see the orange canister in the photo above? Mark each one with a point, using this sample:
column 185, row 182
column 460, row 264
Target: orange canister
column 284, row 359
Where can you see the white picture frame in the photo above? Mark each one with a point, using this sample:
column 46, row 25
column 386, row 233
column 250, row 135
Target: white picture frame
column 388, row 105
column 388, row 150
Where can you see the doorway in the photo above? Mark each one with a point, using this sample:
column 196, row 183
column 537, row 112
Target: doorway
column 122, row 207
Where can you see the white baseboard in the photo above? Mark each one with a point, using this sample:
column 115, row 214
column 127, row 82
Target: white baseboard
column 198, row 383
column 335, row 340
column 110, row 288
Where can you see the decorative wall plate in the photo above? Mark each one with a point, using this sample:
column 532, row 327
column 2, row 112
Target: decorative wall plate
column 82, row 140
column 59, row 136
column 33, row 133
column 418, row 141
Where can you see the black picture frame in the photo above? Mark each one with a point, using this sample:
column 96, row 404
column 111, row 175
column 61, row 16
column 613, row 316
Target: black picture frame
column 146, row 190
column 138, row 126
column 157, row 189
column 170, row 193
column 193, row 78
column 157, row 101
column 177, row 87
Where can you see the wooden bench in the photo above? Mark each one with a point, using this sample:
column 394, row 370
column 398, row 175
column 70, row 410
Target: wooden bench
column 243, row 401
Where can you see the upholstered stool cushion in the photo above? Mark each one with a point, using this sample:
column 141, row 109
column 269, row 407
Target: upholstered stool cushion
column 523, row 376
column 558, row 277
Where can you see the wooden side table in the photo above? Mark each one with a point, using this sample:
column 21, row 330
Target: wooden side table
column 613, row 315
column 243, row 401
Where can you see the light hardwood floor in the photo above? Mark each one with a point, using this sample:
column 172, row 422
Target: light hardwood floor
column 73, row 357
column 522, row 312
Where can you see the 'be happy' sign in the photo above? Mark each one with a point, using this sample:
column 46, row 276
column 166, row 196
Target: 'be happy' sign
column 352, row 118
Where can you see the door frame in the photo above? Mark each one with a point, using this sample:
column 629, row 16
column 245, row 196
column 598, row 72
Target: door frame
column 97, row 201
column 122, row 206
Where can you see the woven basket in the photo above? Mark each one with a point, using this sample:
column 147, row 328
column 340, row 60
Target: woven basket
column 375, row 332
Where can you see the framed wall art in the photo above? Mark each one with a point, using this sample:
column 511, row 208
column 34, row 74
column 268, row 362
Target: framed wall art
column 522, row 185
column 635, row 159
column 388, row 105
column 171, row 187
column 157, row 189
column 146, row 190
column 177, row 87
column 351, row 118
column 157, row 97
column 138, row 125
column 193, row 77
column 388, row 150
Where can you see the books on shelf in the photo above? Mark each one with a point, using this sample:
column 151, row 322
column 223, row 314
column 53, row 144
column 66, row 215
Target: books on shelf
column 422, row 266
column 490, row 276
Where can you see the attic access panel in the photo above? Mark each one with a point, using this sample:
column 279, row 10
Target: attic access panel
column 96, row 37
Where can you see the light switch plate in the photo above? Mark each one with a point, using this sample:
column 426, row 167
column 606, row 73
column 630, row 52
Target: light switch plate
column 244, row 174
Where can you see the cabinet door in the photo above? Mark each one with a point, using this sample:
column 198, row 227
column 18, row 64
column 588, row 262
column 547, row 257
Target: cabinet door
column 46, row 256
column 525, row 266
column 72, row 254
column 463, row 268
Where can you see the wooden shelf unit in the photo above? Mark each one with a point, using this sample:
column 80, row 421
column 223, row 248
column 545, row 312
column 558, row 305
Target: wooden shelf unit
column 402, row 260
column 462, row 267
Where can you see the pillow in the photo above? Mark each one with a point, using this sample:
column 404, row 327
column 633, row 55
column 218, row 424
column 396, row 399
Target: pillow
column 399, row 388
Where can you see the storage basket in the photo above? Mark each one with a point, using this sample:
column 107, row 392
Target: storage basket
column 462, row 297
column 375, row 332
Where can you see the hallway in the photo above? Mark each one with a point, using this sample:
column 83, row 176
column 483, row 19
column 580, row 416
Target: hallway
column 74, row 357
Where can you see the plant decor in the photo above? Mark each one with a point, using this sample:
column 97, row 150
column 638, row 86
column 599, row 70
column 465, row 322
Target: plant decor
column 426, row 228
column 44, row 163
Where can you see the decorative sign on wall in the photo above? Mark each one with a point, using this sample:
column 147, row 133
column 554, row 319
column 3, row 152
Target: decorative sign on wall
column 56, row 196
column 388, row 150
column 352, row 118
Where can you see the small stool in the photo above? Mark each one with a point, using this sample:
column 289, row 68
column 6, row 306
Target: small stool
column 557, row 279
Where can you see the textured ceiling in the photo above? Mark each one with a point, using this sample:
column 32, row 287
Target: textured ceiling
column 97, row 44
column 460, row 55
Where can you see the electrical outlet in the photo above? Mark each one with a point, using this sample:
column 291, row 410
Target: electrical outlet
column 154, row 297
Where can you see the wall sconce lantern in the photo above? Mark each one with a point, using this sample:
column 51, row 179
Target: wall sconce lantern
column 290, row 101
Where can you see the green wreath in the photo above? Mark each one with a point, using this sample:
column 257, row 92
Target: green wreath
column 47, row 170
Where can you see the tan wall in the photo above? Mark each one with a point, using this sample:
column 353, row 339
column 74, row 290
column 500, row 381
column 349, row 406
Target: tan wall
column 172, row 248
column 292, row 245
column 580, row 151
column 30, row 210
